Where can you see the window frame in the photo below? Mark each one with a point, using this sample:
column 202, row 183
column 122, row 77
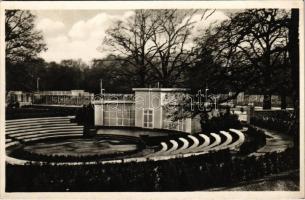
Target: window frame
column 152, row 116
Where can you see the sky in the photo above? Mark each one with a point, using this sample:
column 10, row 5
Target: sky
column 78, row 34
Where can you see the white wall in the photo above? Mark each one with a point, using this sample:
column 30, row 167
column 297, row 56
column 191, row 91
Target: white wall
column 98, row 115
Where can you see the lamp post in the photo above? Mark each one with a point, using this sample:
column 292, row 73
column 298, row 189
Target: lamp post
column 215, row 102
column 101, row 86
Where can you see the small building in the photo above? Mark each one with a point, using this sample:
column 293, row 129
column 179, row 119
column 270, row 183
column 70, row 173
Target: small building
column 148, row 109
column 114, row 110
column 20, row 97
column 71, row 97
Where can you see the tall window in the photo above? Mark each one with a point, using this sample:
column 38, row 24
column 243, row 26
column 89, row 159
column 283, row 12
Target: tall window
column 119, row 115
column 148, row 118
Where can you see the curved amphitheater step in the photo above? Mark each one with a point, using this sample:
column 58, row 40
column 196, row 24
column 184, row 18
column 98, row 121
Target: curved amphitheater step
column 187, row 144
column 40, row 128
column 174, row 146
column 201, row 143
column 28, row 129
column 51, row 136
column 38, row 125
column 163, row 149
column 38, row 119
column 67, row 132
column 226, row 142
column 184, row 146
column 239, row 141
column 206, row 143
column 13, row 124
column 190, row 148
column 41, row 132
column 217, row 141
column 11, row 143
column 7, row 140
column 195, row 142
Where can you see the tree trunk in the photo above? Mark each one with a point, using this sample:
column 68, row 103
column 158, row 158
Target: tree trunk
column 283, row 102
column 293, row 49
column 164, row 83
column 142, row 82
column 204, row 118
column 267, row 101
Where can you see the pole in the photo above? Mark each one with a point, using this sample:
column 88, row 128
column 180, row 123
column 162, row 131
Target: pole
column 101, row 85
column 206, row 92
column 37, row 84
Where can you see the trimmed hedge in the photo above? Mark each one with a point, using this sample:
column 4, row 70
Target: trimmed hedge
column 21, row 154
column 254, row 140
column 220, row 123
column 280, row 120
column 217, row 169
column 33, row 112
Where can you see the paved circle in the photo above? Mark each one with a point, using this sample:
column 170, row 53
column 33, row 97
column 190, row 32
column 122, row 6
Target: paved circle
column 79, row 147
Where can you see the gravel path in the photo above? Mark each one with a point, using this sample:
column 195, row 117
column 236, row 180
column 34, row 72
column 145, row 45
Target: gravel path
column 275, row 142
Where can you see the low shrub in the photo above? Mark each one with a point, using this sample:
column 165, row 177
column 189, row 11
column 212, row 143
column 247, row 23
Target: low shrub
column 279, row 120
column 254, row 140
column 20, row 153
column 223, row 122
column 217, row 169
column 33, row 112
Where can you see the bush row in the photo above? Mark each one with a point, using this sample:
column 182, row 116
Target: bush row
column 33, row 112
column 22, row 154
column 222, row 122
column 274, row 120
column 182, row 174
column 254, row 140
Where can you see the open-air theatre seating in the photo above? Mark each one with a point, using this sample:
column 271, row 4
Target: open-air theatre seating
column 24, row 130
column 32, row 129
column 202, row 143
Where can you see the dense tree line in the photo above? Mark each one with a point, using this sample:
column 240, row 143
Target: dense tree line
column 253, row 51
column 67, row 75
column 250, row 51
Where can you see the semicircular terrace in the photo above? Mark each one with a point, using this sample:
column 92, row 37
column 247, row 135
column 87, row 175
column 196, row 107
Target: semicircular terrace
column 201, row 143
column 21, row 131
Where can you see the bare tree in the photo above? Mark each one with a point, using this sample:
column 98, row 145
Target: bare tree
column 156, row 43
column 248, row 52
column 169, row 42
column 130, row 39
column 22, row 41
column 295, row 66
column 254, row 42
